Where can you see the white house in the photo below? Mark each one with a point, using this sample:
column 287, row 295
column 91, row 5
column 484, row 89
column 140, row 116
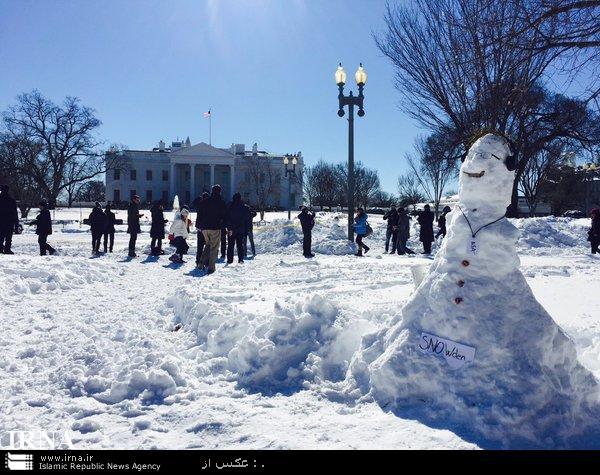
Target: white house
column 188, row 170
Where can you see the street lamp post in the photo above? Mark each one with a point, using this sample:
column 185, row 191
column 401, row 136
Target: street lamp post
column 351, row 100
column 290, row 174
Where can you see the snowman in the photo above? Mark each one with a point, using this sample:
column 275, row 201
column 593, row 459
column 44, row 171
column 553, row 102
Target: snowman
column 472, row 350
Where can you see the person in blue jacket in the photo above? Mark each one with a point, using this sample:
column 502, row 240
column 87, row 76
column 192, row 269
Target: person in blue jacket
column 360, row 227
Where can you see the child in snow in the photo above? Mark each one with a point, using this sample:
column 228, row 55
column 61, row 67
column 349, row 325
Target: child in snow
column 442, row 222
column 361, row 227
column 179, row 230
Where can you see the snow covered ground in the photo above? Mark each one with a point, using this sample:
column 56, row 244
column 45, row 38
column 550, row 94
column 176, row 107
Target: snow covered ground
column 87, row 343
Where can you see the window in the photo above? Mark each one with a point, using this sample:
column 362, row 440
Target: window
column 148, row 175
column 132, row 193
column 165, row 196
column 133, row 175
column 165, row 175
column 117, row 196
column 148, row 196
column 117, row 174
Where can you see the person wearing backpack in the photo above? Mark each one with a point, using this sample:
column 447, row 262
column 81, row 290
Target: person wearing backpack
column 307, row 221
column 362, row 229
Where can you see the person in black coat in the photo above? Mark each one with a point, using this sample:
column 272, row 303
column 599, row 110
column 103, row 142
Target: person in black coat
column 43, row 228
column 594, row 232
column 98, row 222
column 250, row 231
column 157, row 229
column 425, row 220
column 442, row 222
column 307, row 221
column 212, row 218
column 392, row 225
column 201, row 242
column 237, row 222
column 9, row 218
column 133, row 223
column 109, row 230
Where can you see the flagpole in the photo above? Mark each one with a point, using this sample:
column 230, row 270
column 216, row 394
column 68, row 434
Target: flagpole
column 210, row 126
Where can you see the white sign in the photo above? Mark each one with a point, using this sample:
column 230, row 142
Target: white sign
column 472, row 247
column 456, row 354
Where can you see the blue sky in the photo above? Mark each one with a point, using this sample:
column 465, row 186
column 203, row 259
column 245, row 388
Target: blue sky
column 151, row 68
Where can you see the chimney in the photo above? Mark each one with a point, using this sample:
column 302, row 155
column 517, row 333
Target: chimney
column 254, row 148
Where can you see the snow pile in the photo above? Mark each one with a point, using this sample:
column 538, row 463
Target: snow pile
column 282, row 351
column 472, row 350
column 545, row 235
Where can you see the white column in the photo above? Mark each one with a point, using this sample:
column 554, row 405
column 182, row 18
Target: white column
column 192, row 182
column 212, row 176
column 232, row 180
column 172, row 182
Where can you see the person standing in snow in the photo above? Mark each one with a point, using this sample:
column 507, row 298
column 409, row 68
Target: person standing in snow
column 43, row 228
column 133, row 223
column 157, row 229
column 307, row 221
column 9, row 218
column 361, row 227
column 425, row 220
column 179, row 230
column 98, row 222
column 250, row 231
column 442, row 222
column 403, row 232
column 392, row 225
column 200, row 237
column 237, row 222
column 212, row 217
column 594, row 232
column 109, row 230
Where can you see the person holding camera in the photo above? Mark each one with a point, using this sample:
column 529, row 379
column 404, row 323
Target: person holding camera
column 307, row 221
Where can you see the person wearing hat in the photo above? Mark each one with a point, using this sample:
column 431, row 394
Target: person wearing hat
column 179, row 230
column 43, row 228
column 9, row 218
column 442, row 222
column 133, row 223
column 392, row 225
column 237, row 222
column 98, row 222
column 212, row 217
column 307, row 221
column 425, row 219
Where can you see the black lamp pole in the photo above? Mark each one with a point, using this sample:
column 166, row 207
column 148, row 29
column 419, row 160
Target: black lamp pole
column 351, row 100
column 290, row 174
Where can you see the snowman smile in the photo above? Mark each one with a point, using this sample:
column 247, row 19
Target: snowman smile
column 475, row 175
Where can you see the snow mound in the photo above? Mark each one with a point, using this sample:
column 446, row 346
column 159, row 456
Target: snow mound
column 545, row 235
column 298, row 343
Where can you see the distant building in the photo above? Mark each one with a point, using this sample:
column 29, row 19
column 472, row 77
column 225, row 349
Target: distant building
column 188, row 170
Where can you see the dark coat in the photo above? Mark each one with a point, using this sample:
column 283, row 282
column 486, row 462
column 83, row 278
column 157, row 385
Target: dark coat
column 307, row 220
column 157, row 229
column 594, row 232
column 237, row 217
column 442, row 223
column 98, row 220
column 8, row 211
column 212, row 213
column 425, row 219
column 43, row 223
column 111, row 218
column 403, row 229
column 133, row 219
column 251, row 215
column 392, row 218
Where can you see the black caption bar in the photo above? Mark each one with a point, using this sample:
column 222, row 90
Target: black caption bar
column 263, row 461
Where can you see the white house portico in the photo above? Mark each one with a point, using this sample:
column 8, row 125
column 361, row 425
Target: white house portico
column 187, row 170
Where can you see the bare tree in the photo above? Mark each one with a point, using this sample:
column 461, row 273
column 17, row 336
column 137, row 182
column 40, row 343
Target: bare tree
column 308, row 186
column 69, row 152
column 433, row 165
column 326, row 184
column 264, row 180
column 90, row 191
column 409, row 190
column 366, row 184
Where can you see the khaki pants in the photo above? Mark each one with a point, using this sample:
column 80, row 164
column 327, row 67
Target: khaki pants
column 211, row 248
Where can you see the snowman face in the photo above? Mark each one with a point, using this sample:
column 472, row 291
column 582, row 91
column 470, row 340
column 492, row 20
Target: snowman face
column 485, row 181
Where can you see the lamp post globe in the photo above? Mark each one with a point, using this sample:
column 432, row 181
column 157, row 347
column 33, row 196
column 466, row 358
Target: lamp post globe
column 340, row 75
column 360, row 76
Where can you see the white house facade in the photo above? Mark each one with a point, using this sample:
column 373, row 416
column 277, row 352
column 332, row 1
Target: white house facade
column 186, row 171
